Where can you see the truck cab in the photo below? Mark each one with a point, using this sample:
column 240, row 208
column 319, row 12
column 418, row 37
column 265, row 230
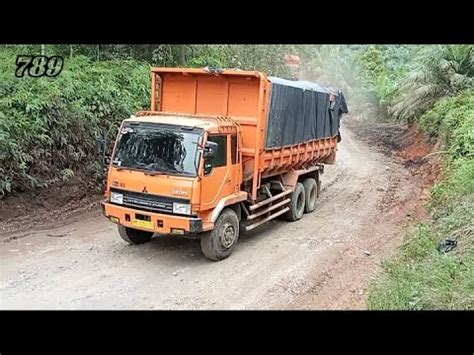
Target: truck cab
column 220, row 151
column 168, row 174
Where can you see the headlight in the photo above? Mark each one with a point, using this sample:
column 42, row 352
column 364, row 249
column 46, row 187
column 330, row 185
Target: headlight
column 115, row 197
column 181, row 208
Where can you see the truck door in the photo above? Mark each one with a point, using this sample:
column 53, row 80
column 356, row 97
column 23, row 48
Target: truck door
column 235, row 161
column 220, row 176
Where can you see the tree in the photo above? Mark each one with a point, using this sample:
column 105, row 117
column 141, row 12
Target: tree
column 436, row 72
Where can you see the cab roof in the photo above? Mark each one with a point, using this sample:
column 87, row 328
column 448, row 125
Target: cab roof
column 208, row 123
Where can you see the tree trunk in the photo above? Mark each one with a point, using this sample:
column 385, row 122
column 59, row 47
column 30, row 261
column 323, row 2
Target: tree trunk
column 182, row 55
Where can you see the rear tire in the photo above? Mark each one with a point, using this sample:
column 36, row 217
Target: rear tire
column 134, row 236
column 311, row 194
column 297, row 204
column 219, row 243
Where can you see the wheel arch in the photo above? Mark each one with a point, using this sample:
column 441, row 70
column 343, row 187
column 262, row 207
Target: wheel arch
column 231, row 201
column 291, row 178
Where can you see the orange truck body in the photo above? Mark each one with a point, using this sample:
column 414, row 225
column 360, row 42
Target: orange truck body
column 233, row 103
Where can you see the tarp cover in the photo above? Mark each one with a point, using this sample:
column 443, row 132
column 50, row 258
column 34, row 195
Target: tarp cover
column 301, row 111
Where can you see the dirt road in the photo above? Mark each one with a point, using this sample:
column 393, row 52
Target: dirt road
column 323, row 261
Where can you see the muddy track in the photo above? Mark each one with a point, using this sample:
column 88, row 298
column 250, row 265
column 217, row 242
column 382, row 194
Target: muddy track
column 323, row 261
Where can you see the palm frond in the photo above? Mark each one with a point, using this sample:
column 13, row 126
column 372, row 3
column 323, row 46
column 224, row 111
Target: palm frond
column 436, row 71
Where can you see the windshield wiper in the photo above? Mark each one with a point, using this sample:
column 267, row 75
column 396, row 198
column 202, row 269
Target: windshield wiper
column 153, row 173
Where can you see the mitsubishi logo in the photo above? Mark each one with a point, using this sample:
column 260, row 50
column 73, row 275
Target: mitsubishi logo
column 144, row 190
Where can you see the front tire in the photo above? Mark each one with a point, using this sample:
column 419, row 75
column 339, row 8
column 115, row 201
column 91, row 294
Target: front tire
column 134, row 236
column 219, row 243
column 297, row 204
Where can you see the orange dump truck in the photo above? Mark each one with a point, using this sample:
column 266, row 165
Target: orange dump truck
column 220, row 152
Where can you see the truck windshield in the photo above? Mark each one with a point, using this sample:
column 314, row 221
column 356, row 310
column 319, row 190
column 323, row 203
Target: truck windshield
column 158, row 149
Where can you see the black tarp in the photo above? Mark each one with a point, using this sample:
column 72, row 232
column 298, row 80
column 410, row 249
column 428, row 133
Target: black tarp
column 301, row 111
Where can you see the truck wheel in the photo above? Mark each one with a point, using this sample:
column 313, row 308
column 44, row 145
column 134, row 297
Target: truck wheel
column 297, row 204
column 311, row 194
column 134, row 236
column 218, row 243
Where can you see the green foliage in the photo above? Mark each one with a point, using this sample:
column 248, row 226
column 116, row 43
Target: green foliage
column 267, row 58
column 373, row 61
column 420, row 277
column 48, row 126
column 381, row 76
column 67, row 174
column 435, row 72
column 206, row 61
column 455, row 192
column 453, row 118
column 437, row 282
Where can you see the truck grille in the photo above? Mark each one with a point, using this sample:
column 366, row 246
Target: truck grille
column 147, row 202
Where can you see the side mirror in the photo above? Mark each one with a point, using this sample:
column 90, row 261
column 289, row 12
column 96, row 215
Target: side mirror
column 210, row 150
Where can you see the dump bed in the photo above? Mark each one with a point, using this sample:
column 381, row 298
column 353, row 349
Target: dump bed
column 285, row 124
column 300, row 112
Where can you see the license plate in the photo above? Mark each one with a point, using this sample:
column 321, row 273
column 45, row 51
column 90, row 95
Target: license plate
column 143, row 224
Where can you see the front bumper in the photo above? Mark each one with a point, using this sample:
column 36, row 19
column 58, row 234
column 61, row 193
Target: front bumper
column 162, row 223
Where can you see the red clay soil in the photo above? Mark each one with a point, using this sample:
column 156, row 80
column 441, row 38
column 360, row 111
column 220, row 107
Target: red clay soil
column 409, row 144
column 415, row 153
